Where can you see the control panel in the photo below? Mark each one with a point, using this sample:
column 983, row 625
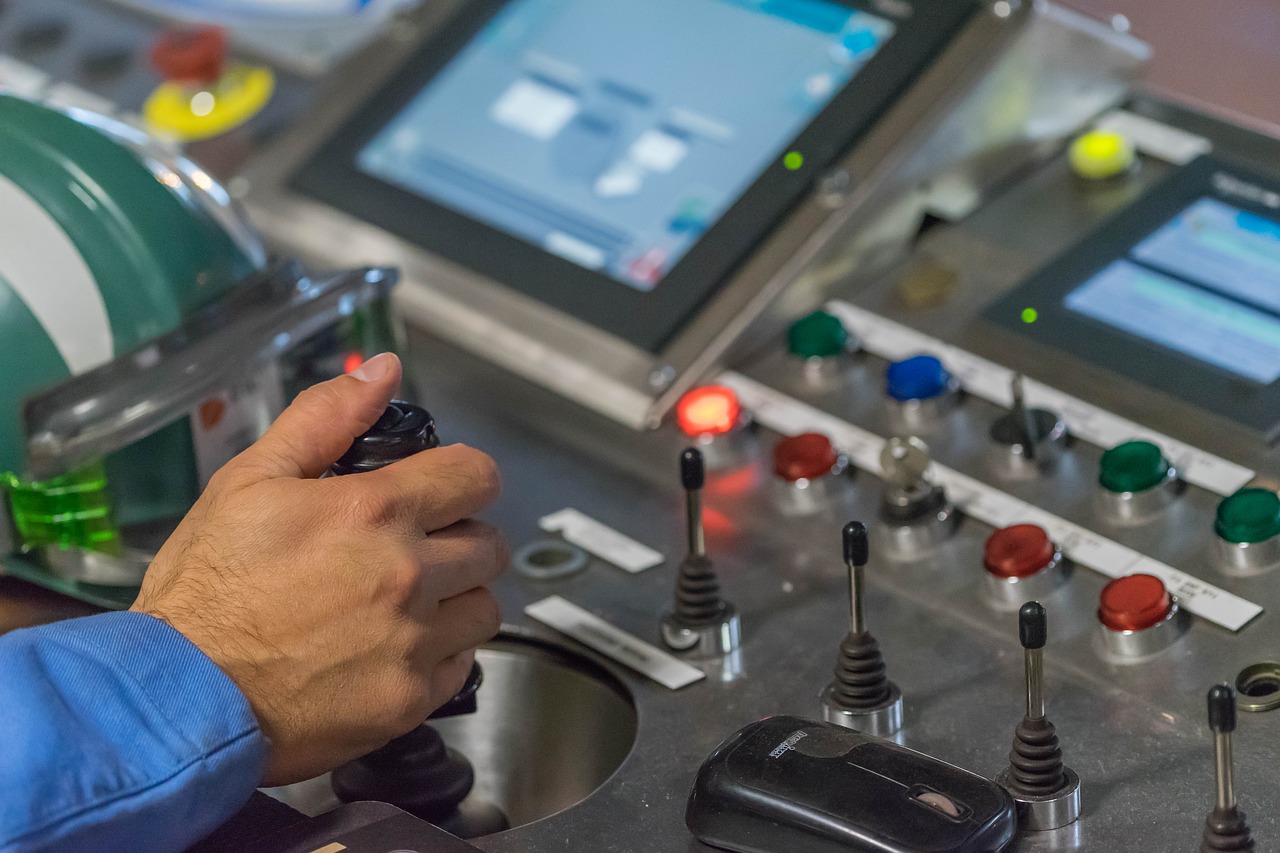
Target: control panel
column 1003, row 503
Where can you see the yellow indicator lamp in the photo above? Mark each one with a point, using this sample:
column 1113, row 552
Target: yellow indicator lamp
column 1101, row 154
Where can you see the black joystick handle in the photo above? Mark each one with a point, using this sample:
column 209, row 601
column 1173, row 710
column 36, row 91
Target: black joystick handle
column 857, row 550
column 1222, row 709
column 693, row 471
column 1033, row 630
column 1226, row 828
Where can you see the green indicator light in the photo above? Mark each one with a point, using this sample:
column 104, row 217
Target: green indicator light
column 1030, row 315
column 1249, row 516
column 1133, row 466
column 819, row 335
column 793, row 160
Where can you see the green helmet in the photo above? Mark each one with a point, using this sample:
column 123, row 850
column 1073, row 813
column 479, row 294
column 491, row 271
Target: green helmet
column 108, row 241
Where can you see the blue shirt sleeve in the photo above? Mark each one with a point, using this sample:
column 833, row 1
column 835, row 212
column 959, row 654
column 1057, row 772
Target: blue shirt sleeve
column 117, row 733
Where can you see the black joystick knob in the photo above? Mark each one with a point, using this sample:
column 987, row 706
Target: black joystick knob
column 1222, row 709
column 1033, row 625
column 415, row 771
column 1226, row 828
column 403, row 430
column 693, row 471
column 857, row 550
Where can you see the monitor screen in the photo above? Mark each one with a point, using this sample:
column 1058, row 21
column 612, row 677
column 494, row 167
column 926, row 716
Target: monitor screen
column 612, row 133
column 1206, row 284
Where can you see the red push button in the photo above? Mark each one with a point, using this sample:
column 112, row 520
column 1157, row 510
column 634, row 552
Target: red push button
column 1018, row 551
column 1134, row 603
column 191, row 56
column 807, row 456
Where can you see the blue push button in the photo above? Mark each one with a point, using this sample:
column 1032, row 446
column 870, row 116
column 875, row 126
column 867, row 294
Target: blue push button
column 921, row 377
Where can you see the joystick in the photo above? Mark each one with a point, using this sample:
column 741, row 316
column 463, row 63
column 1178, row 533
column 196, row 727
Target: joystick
column 1226, row 828
column 1047, row 792
column 915, row 514
column 702, row 621
column 1028, row 442
column 416, row 771
column 861, row 696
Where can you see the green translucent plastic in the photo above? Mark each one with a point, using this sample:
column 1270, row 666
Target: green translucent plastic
column 1249, row 515
column 818, row 335
column 71, row 511
column 1133, row 466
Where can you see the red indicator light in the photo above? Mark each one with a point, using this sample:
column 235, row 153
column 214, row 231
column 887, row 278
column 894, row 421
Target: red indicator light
column 1134, row 603
column 709, row 410
column 1018, row 551
column 352, row 362
column 807, row 456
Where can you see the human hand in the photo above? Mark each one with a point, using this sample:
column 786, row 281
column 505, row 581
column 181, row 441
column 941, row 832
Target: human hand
column 346, row 609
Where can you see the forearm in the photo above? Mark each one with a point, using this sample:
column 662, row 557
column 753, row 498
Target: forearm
column 118, row 733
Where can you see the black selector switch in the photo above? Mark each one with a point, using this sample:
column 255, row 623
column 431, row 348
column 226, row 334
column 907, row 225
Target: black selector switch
column 786, row 784
column 1047, row 792
column 702, row 622
column 416, row 771
column 1226, row 829
column 1028, row 442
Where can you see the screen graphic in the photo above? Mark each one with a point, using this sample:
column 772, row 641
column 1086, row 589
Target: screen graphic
column 1206, row 284
column 614, row 133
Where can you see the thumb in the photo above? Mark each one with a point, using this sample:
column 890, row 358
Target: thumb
column 322, row 422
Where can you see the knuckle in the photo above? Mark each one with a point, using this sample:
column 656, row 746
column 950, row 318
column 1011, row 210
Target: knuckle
column 402, row 580
column 410, row 702
column 373, row 508
column 323, row 396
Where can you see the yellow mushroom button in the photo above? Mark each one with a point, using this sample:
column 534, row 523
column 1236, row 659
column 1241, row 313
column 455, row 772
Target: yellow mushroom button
column 1101, row 154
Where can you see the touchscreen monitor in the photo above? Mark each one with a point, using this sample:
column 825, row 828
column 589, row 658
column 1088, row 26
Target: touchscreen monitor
column 1179, row 292
column 614, row 134
column 1206, row 284
column 620, row 161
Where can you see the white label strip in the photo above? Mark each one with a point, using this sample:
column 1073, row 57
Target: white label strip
column 601, row 541
column 1155, row 138
column 568, row 618
column 978, row 500
column 990, row 381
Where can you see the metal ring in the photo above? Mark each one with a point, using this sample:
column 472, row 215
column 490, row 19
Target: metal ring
column 1258, row 687
column 546, row 559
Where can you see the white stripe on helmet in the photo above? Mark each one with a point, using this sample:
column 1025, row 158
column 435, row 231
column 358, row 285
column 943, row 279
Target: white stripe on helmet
column 40, row 262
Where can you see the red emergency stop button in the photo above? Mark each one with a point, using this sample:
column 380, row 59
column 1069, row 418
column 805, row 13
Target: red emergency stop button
column 807, row 456
column 1018, row 551
column 1134, row 603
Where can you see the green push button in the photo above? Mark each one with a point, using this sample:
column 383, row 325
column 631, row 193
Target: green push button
column 1133, row 466
column 819, row 335
column 1250, row 515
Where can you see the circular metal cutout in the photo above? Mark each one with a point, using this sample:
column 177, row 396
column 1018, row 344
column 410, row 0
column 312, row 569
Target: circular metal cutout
column 544, row 559
column 1258, row 687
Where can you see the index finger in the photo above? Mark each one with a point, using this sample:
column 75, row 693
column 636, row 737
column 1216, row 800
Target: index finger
column 435, row 488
